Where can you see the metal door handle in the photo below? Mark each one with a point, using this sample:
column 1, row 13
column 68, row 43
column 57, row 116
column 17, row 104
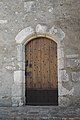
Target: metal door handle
column 26, row 63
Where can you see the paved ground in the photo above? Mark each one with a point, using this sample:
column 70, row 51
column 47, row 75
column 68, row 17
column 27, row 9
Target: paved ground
column 39, row 113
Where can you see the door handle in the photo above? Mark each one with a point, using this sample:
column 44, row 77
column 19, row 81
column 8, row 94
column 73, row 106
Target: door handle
column 30, row 65
column 28, row 74
column 26, row 63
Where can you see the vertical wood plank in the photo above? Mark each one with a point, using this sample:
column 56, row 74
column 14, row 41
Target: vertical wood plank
column 25, row 67
column 53, row 62
column 35, row 63
column 31, row 64
column 34, row 66
column 55, row 65
column 27, row 64
column 39, row 64
column 46, row 63
column 42, row 63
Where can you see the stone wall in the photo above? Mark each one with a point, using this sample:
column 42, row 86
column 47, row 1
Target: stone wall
column 61, row 18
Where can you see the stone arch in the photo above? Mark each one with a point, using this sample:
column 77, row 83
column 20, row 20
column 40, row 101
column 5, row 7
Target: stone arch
column 24, row 36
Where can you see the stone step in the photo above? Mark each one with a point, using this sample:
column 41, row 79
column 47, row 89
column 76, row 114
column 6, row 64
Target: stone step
column 39, row 113
column 43, row 118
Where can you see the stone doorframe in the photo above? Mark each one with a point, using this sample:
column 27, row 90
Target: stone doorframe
column 22, row 38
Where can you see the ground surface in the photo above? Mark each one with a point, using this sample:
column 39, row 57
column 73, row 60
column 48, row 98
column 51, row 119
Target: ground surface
column 39, row 113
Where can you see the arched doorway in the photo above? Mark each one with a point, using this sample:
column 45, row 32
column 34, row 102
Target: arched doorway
column 23, row 38
column 41, row 76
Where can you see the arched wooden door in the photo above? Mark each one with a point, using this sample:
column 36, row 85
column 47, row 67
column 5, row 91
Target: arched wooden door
column 41, row 72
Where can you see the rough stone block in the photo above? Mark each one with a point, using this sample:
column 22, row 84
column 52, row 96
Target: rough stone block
column 75, row 100
column 3, row 21
column 55, row 31
column 17, row 101
column 77, row 90
column 62, row 76
column 21, row 65
column 60, row 53
column 64, row 101
column 18, row 76
column 17, row 90
column 61, row 63
column 10, row 68
column 76, row 76
column 5, row 101
column 73, row 63
column 72, row 56
column 67, row 84
column 63, row 91
column 28, row 5
column 41, row 28
column 19, row 53
column 24, row 34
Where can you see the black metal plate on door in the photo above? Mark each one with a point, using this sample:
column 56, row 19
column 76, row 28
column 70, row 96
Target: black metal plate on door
column 42, row 97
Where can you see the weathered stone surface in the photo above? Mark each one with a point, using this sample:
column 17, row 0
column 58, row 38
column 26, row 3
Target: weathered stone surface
column 24, row 34
column 61, row 63
column 11, row 68
column 19, row 53
column 76, row 91
column 72, row 56
column 64, row 91
column 57, row 32
column 60, row 53
column 28, row 5
column 73, row 63
column 17, row 87
column 64, row 75
column 21, row 65
column 64, row 101
column 76, row 76
column 18, row 76
column 5, row 101
column 59, row 20
column 40, row 113
column 17, row 101
column 3, row 21
column 41, row 28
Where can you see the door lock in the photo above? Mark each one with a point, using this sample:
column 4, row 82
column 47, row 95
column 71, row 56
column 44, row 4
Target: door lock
column 26, row 63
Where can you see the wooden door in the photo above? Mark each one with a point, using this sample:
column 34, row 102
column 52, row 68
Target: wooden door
column 41, row 72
